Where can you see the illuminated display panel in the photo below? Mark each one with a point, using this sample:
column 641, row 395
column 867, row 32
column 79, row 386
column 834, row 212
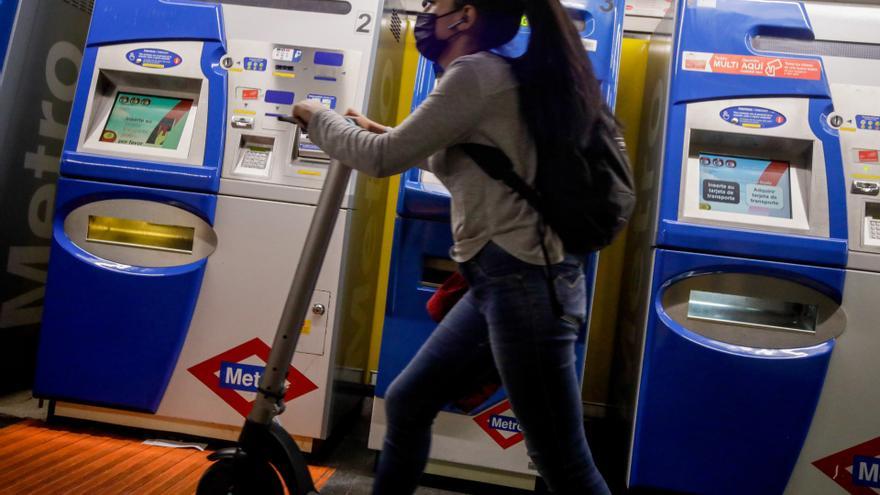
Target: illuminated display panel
column 744, row 185
column 147, row 121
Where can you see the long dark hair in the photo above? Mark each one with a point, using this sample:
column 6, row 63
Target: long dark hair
column 560, row 97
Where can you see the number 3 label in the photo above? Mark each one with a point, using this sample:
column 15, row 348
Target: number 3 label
column 364, row 24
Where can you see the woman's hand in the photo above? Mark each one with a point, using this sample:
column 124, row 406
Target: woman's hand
column 365, row 123
column 304, row 111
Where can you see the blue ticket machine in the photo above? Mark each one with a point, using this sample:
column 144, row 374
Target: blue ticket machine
column 751, row 328
column 184, row 205
column 486, row 438
column 135, row 204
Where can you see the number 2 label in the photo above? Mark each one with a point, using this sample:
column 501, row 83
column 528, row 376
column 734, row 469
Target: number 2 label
column 364, row 24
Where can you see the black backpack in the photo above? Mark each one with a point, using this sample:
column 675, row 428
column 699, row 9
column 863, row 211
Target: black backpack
column 588, row 200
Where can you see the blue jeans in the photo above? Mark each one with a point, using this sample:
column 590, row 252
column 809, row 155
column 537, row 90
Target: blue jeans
column 505, row 324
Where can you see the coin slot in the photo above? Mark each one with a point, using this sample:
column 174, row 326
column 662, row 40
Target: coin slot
column 752, row 311
column 140, row 234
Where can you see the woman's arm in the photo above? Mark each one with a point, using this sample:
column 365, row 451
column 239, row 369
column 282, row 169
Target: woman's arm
column 445, row 117
column 365, row 123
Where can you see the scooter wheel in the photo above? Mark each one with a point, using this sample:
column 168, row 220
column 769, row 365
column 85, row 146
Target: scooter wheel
column 240, row 477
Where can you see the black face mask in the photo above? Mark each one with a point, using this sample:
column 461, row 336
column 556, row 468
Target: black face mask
column 426, row 35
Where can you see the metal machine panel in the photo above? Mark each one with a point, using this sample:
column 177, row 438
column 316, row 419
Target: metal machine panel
column 845, row 427
column 258, row 97
column 840, row 453
column 297, row 57
column 251, row 272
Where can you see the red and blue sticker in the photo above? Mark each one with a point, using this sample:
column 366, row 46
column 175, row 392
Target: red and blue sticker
column 753, row 117
column 227, row 376
column 154, row 58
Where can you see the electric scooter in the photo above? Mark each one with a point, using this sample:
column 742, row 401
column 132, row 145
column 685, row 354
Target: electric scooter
column 266, row 459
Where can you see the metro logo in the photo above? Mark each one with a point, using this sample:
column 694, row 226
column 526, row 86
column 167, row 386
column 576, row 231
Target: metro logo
column 504, row 430
column 227, row 376
column 505, row 423
column 240, row 376
column 866, row 471
column 856, row 469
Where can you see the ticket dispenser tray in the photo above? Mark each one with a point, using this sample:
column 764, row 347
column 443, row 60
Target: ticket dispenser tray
column 309, row 151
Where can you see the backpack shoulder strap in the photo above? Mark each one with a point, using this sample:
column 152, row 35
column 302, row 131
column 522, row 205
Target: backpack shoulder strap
column 498, row 166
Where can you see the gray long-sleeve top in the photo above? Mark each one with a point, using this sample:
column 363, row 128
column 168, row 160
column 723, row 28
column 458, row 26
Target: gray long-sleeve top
column 476, row 101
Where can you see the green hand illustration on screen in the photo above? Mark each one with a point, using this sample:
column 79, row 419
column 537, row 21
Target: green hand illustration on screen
column 146, row 120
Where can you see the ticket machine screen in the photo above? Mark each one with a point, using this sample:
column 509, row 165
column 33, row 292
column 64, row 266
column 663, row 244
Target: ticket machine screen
column 745, row 185
column 147, row 120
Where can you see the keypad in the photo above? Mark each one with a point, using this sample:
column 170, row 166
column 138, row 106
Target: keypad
column 874, row 226
column 256, row 160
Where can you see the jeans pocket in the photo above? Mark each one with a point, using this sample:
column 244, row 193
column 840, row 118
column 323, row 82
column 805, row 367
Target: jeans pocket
column 570, row 279
column 571, row 291
column 493, row 262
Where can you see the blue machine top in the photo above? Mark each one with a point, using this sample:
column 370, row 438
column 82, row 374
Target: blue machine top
column 126, row 21
column 725, row 32
column 143, row 21
column 713, row 59
column 602, row 32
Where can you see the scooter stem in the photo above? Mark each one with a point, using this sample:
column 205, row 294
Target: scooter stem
column 269, row 402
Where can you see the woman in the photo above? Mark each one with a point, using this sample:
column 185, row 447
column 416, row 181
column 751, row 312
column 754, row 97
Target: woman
column 537, row 109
